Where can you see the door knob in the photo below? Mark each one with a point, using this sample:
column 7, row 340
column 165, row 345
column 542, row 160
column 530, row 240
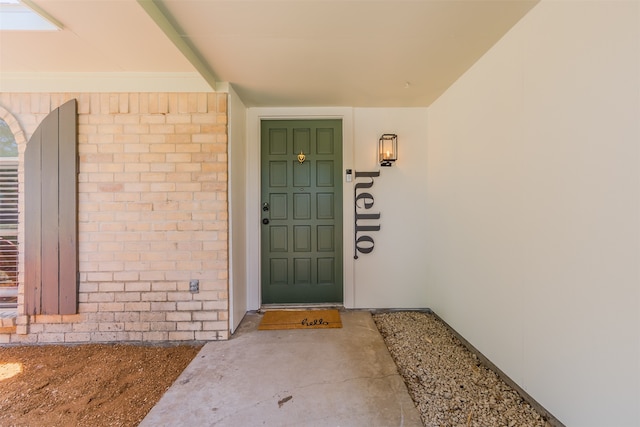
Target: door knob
column 265, row 221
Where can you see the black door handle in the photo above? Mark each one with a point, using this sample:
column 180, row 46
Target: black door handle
column 265, row 221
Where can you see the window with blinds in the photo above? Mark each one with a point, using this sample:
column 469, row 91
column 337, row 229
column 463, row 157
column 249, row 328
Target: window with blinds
column 8, row 217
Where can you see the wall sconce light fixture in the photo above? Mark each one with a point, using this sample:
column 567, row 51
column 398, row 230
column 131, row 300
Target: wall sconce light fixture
column 388, row 149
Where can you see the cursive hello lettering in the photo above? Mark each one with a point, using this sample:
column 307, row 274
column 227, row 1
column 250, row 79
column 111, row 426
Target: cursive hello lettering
column 313, row 322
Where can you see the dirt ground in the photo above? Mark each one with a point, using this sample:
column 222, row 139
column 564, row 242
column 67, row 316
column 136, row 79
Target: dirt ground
column 86, row 385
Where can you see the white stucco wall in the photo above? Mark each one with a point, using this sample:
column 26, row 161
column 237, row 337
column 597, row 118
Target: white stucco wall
column 533, row 208
column 393, row 275
column 237, row 152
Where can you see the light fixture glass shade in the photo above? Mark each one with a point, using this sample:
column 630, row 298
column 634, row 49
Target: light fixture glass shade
column 388, row 149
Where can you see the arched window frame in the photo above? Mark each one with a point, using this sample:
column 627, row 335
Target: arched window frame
column 21, row 141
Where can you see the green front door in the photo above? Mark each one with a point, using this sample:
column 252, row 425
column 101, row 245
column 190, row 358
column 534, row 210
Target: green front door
column 301, row 171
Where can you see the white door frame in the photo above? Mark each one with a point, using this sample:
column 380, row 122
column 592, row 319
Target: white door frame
column 254, row 117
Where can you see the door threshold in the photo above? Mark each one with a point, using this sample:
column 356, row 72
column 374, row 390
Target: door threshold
column 296, row 306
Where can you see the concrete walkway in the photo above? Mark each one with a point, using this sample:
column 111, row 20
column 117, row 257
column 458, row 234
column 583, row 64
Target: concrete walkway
column 321, row 377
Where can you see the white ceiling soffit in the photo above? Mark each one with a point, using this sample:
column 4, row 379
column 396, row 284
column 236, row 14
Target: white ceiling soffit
column 102, row 41
column 379, row 53
column 276, row 53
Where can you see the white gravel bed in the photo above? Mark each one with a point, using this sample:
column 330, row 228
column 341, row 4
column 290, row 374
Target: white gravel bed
column 447, row 382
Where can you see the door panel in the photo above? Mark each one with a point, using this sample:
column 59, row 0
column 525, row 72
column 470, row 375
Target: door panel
column 301, row 174
column 278, row 203
column 278, row 174
column 301, row 211
column 279, row 238
column 301, row 206
column 325, row 208
column 326, row 238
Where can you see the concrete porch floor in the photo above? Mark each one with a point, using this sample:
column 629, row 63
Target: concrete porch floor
column 320, row 377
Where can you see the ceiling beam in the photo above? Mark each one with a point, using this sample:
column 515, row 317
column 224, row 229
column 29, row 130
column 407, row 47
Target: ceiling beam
column 43, row 14
column 192, row 55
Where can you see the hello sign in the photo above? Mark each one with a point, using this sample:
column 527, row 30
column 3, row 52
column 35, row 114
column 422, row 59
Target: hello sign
column 363, row 201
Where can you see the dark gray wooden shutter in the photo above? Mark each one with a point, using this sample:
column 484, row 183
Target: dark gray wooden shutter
column 50, row 188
